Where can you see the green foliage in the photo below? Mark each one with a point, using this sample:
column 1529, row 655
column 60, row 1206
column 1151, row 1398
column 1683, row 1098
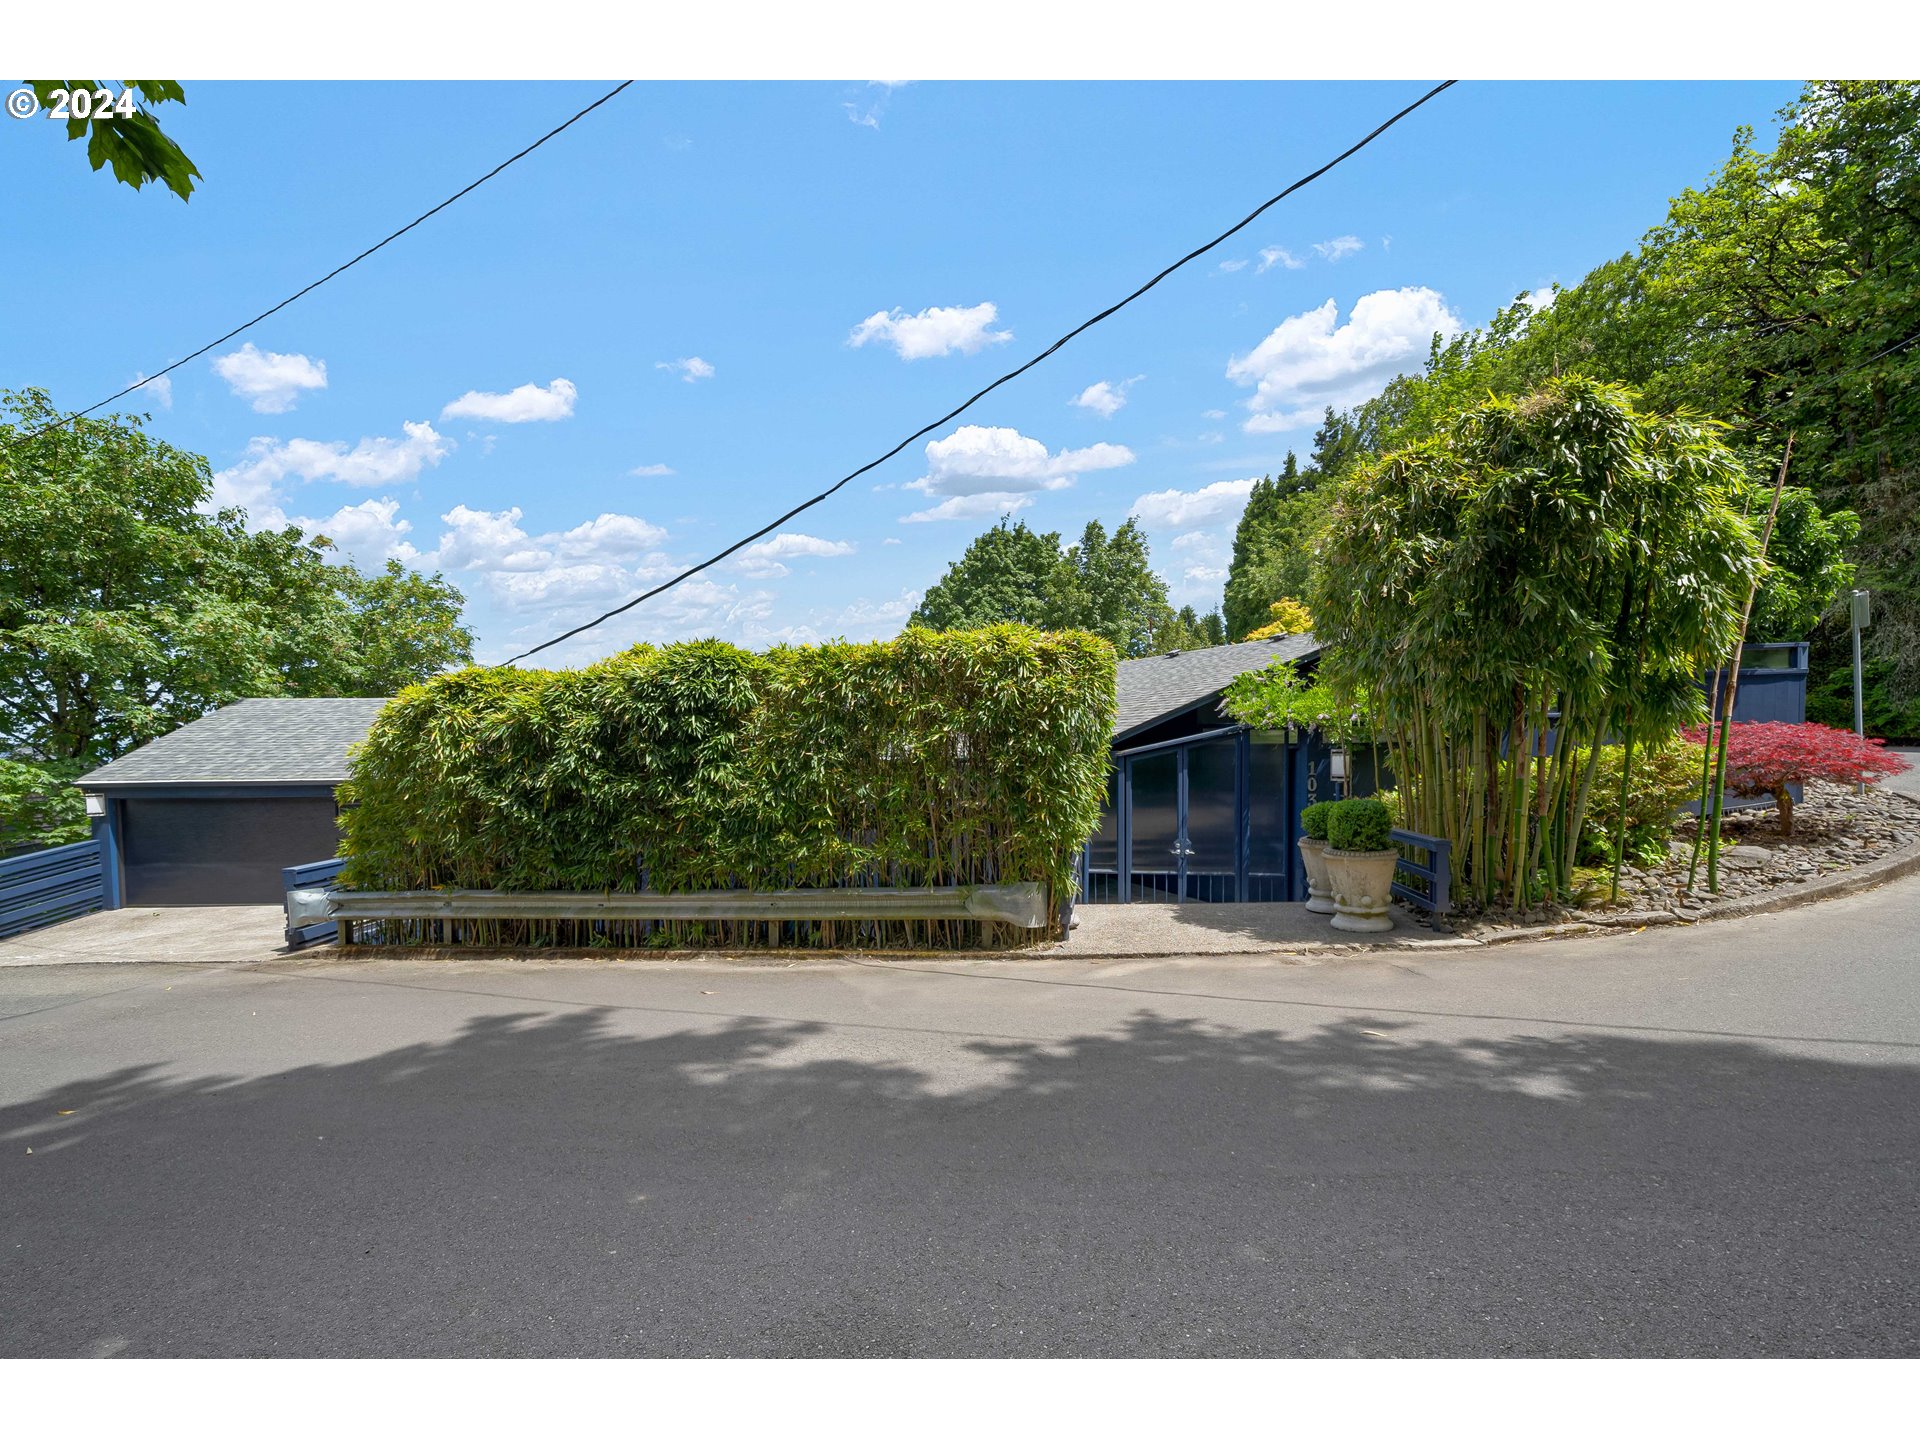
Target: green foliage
column 125, row 611
column 1807, row 566
column 1009, row 575
column 1665, row 777
column 1190, row 630
column 1104, row 584
column 39, row 806
column 957, row 758
column 134, row 145
column 1561, row 555
column 1275, row 697
column 1313, row 819
column 1359, row 824
column 1782, row 297
column 1830, row 696
column 1273, row 547
column 1107, row 586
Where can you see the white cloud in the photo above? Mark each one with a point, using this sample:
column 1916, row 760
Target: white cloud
column 487, row 539
column 867, row 112
column 993, row 459
column 1273, row 255
column 938, row 330
column 613, row 538
column 763, row 561
column 370, row 533
column 648, row 471
column 160, row 387
column 1229, row 266
column 1213, row 414
column 376, row 460
column 600, row 562
column 1310, row 361
column 690, row 369
column 868, row 619
column 527, row 402
column 892, row 540
column 970, row 507
column 1182, row 509
column 1105, row 397
column 1542, row 298
column 272, row 381
column 1340, row 247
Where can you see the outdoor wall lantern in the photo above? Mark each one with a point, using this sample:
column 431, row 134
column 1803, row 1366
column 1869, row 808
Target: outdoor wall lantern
column 96, row 807
column 1337, row 765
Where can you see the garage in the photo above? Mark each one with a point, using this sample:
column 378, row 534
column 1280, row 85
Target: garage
column 211, row 813
column 219, row 852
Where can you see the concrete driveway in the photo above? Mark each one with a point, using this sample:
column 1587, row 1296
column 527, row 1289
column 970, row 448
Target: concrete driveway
column 178, row 934
column 1703, row 1142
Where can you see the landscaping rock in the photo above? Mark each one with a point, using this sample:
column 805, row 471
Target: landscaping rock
column 1835, row 832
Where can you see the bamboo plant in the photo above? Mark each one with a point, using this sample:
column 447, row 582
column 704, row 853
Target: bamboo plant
column 1547, row 575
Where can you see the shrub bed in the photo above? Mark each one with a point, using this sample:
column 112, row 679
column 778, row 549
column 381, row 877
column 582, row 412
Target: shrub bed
column 957, row 758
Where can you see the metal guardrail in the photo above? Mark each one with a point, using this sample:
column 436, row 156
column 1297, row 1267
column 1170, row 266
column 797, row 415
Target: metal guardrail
column 1023, row 904
column 48, row 886
column 1436, row 872
column 306, row 887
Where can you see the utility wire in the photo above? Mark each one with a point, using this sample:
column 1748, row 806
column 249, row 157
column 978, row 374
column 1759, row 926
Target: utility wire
column 338, row 269
column 979, row 395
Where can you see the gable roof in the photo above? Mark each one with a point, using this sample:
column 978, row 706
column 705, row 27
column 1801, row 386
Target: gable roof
column 250, row 742
column 1157, row 686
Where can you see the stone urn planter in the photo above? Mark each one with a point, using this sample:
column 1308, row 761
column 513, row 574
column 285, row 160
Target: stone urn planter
column 1360, row 860
column 1362, row 885
column 1313, row 854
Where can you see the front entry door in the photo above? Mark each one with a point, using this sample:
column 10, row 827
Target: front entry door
column 1184, row 832
column 1209, row 820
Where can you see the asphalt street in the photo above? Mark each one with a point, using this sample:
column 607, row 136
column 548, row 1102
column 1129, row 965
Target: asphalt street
column 1684, row 1142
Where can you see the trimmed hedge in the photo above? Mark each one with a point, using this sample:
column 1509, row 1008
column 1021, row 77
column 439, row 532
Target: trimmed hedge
column 1359, row 824
column 957, row 758
column 1313, row 819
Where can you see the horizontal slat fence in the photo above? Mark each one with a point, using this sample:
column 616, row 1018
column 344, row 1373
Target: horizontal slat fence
column 48, row 886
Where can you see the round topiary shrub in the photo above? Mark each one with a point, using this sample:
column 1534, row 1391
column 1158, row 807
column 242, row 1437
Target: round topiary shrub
column 1313, row 819
column 1358, row 825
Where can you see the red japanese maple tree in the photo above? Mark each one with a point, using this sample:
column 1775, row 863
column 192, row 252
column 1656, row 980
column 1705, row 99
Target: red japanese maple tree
column 1766, row 756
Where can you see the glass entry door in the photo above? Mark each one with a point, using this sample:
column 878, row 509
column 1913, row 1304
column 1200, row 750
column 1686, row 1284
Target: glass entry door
column 1155, row 851
column 1183, row 839
column 1209, row 821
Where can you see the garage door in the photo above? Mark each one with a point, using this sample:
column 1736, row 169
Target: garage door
column 220, row 852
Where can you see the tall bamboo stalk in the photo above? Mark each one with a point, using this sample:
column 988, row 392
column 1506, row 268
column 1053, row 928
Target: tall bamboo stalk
column 1733, row 679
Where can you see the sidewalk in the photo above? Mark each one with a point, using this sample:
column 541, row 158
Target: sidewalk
column 1141, row 931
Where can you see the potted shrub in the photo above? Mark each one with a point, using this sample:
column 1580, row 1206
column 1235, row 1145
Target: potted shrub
column 1360, row 860
column 1313, row 854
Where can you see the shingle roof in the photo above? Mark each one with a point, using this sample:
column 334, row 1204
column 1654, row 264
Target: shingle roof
column 250, row 742
column 1157, row 686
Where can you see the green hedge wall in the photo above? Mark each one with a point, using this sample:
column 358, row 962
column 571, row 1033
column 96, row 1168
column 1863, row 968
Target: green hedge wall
column 964, row 757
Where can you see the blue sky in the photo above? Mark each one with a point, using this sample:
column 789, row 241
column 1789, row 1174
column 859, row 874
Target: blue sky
column 510, row 393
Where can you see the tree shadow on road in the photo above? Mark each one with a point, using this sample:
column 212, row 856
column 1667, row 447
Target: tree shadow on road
column 553, row 1184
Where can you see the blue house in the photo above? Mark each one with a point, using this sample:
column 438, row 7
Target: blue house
column 1202, row 808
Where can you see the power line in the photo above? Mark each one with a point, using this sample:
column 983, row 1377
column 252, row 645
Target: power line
column 979, row 395
column 338, row 269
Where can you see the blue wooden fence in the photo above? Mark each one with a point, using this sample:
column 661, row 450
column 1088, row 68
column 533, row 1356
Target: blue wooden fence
column 319, row 875
column 48, row 886
column 1432, row 877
